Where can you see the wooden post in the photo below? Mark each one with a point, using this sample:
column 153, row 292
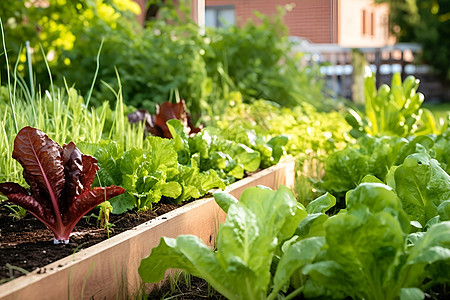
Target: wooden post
column 198, row 12
column 378, row 65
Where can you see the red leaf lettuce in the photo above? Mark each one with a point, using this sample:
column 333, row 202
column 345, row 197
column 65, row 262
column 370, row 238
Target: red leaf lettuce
column 60, row 180
column 156, row 124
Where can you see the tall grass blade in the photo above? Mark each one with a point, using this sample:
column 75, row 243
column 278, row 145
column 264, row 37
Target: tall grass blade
column 88, row 96
column 8, row 76
column 30, row 66
column 48, row 69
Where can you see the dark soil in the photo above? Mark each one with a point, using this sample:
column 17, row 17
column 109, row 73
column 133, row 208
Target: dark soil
column 186, row 287
column 27, row 244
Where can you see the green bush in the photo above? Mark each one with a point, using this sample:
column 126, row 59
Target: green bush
column 59, row 26
column 259, row 62
column 166, row 60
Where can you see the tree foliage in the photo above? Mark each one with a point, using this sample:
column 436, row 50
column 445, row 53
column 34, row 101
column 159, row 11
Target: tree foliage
column 167, row 59
column 60, row 26
column 426, row 22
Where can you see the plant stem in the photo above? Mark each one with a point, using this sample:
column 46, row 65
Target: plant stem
column 295, row 293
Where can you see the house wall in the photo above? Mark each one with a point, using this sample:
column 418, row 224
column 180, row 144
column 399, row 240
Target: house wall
column 307, row 18
column 323, row 21
column 320, row 21
column 351, row 31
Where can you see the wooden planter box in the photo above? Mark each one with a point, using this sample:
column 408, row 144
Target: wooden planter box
column 108, row 270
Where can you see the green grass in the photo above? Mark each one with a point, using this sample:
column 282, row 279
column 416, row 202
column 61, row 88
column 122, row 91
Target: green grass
column 64, row 116
column 440, row 110
column 61, row 113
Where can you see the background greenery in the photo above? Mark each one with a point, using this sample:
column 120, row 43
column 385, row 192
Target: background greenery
column 166, row 59
column 426, row 22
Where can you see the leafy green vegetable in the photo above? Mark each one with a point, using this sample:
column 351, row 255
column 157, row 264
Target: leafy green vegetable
column 313, row 224
column 321, row 204
column 297, row 255
column 195, row 183
column 152, row 172
column 442, row 150
column 444, row 210
column 270, row 148
column 367, row 255
column 254, row 229
column 393, row 110
column 144, row 173
column 411, row 294
column 214, row 151
column 345, row 169
column 422, row 185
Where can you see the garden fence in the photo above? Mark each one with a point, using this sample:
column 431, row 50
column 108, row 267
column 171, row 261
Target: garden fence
column 342, row 66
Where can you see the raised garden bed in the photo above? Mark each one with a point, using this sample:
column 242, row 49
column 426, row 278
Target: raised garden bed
column 108, row 270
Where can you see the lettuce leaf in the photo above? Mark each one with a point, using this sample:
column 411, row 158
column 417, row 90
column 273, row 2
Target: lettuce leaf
column 60, row 180
column 240, row 268
column 370, row 255
column 422, row 185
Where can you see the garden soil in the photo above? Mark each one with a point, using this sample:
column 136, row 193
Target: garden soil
column 186, row 288
column 26, row 244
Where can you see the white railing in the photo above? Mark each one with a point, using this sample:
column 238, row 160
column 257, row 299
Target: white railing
column 338, row 65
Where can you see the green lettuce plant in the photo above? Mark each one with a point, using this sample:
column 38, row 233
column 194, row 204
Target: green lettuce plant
column 369, row 253
column 213, row 151
column 240, row 268
column 150, row 173
column 442, row 151
column 345, row 169
column 422, row 185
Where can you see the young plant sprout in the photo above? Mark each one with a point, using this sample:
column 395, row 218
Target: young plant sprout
column 60, row 180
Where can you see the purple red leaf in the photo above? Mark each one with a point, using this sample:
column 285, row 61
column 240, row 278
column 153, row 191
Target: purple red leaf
column 156, row 124
column 60, row 182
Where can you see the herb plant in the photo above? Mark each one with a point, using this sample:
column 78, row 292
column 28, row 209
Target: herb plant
column 60, row 180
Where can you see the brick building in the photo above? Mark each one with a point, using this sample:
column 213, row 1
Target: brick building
column 351, row 23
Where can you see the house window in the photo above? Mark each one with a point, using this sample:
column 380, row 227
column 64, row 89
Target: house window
column 367, row 23
column 372, row 24
column 363, row 22
column 219, row 16
column 385, row 26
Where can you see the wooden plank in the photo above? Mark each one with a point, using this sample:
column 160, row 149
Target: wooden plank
column 108, row 270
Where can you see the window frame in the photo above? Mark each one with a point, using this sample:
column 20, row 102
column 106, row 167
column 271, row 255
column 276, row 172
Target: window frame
column 217, row 9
